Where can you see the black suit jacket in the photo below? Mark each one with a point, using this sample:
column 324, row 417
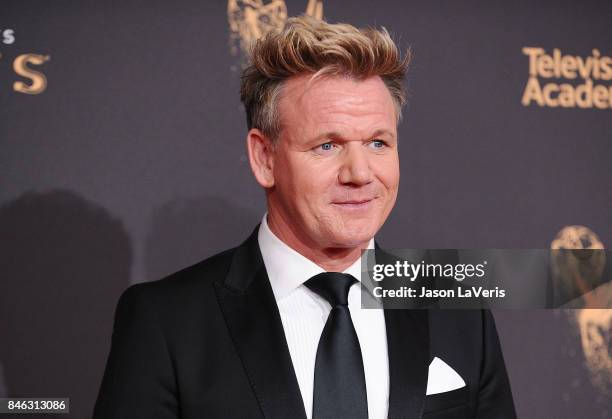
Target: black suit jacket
column 208, row 342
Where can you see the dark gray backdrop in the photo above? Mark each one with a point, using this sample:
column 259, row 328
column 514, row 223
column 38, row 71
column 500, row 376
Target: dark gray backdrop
column 131, row 165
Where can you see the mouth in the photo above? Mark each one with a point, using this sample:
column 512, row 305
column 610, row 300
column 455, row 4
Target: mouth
column 354, row 204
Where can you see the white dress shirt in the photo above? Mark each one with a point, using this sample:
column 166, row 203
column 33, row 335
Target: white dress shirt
column 304, row 313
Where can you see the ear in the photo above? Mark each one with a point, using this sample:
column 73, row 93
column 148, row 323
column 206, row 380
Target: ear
column 261, row 157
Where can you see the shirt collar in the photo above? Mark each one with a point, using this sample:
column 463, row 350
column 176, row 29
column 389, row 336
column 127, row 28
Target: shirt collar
column 288, row 269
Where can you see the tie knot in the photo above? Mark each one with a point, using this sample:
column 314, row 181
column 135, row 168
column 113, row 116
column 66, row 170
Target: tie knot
column 333, row 286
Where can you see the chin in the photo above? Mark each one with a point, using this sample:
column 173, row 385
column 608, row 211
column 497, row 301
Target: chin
column 353, row 236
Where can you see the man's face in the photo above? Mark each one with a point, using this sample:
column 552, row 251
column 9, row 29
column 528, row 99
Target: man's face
column 335, row 164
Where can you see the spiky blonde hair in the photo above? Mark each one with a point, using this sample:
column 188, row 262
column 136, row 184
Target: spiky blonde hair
column 309, row 46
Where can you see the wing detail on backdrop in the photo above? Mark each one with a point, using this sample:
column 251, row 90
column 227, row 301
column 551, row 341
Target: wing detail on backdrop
column 594, row 325
column 249, row 20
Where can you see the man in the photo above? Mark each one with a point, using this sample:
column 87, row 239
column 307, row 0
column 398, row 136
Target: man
column 274, row 327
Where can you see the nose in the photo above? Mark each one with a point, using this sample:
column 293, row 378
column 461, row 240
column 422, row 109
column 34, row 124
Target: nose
column 355, row 169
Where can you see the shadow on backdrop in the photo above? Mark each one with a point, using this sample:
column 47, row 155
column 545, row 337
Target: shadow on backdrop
column 64, row 263
column 184, row 232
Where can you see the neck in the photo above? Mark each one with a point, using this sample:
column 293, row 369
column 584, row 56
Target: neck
column 331, row 259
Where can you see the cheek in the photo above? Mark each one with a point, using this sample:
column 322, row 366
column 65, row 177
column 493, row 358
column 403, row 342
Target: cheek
column 304, row 183
column 286, row 171
column 311, row 178
column 314, row 187
column 389, row 173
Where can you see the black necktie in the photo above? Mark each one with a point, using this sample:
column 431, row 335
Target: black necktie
column 339, row 381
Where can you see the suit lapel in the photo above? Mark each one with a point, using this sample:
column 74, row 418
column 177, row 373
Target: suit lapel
column 408, row 348
column 409, row 356
column 252, row 316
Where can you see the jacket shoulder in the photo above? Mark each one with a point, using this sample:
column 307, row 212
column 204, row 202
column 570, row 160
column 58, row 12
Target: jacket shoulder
column 193, row 281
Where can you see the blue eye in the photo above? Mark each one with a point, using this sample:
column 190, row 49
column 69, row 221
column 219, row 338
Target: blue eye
column 326, row 149
column 378, row 143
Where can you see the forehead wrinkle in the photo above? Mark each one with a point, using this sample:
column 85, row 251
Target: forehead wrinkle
column 364, row 117
column 303, row 85
column 345, row 129
column 332, row 104
column 354, row 112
